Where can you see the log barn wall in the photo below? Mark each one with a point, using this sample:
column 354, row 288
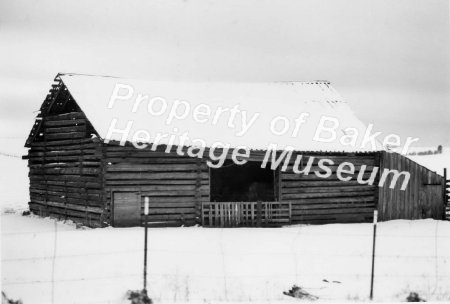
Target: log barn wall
column 317, row 200
column 75, row 179
column 65, row 170
column 422, row 198
column 176, row 185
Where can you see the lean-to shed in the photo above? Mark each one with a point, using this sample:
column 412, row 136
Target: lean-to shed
column 75, row 174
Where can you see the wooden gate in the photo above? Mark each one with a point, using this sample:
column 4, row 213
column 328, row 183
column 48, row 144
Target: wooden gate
column 246, row 214
column 126, row 209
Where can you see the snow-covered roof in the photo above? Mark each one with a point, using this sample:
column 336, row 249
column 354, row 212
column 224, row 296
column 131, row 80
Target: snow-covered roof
column 288, row 99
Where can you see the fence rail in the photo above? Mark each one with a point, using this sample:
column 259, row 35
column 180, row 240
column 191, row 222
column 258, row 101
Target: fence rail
column 245, row 214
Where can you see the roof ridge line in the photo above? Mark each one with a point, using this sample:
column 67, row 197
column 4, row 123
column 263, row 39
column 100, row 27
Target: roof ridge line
column 90, row 75
column 306, row 82
column 221, row 81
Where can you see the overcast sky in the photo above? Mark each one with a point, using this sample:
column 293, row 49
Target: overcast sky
column 389, row 59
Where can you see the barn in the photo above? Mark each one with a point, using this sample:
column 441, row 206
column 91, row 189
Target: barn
column 81, row 170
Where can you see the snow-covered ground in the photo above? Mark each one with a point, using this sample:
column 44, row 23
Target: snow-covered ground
column 41, row 259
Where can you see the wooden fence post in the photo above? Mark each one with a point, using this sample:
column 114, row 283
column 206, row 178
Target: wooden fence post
column 258, row 213
column 203, row 215
column 375, row 219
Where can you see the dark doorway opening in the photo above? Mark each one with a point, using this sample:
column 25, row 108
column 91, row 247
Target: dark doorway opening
column 243, row 183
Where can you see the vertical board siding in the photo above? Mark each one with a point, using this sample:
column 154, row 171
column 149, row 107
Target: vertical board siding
column 317, row 200
column 422, row 198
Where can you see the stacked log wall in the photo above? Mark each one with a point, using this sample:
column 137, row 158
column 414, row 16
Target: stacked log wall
column 176, row 185
column 318, row 200
column 65, row 171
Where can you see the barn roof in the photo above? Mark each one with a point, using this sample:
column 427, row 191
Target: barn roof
column 288, row 99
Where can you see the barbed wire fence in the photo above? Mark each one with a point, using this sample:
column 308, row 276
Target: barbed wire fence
column 221, row 274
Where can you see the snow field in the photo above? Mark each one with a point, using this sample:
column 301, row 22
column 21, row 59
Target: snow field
column 214, row 265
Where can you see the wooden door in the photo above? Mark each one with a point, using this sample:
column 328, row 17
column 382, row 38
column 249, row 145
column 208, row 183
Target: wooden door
column 126, row 209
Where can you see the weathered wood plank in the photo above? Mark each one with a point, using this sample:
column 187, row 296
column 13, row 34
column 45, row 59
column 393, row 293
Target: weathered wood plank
column 40, row 155
column 332, row 205
column 162, row 187
column 324, row 219
column 186, row 217
column 95, row 201
column 289, row 169
column 172, row 210
column 61, row 123
column 39, row 180
column 325, row 194
column 146, row 161
column 68, row 206
column 68, row 135
column 63, row 142
column 358, row 211
column 337, row 160
column 65, row 116
column 153, row 167
column 56, row 159
column 169, row 193
column 136, row 153
column 66, row 171
column 190, row 204
column 62, row 188
column 175, row 199
column 69, row 129
column 64, row 193
column 333, row 200
column 69, row 178
column 65, row 165
column 81, row 146
column 112, row 184
column 319, row 183
column 146, row 176
column 288, row 177
column 331, row 189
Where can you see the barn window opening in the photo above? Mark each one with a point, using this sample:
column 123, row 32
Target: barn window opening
column 243, row 183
